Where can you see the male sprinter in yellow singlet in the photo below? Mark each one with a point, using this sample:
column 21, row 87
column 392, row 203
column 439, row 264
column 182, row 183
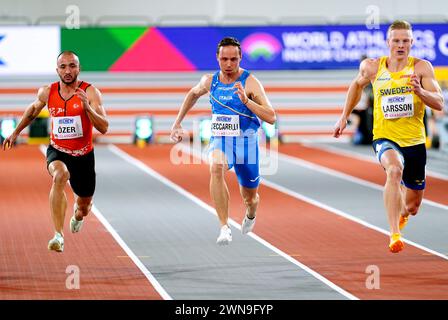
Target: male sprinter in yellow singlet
column 402, row 86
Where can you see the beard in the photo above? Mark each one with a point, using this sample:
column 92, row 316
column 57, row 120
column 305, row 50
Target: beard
column 68, row 82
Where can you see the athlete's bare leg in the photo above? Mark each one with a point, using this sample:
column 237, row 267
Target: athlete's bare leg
column 412, row 200
column 218, row 187
column 251, row 200
column 58, row 198
column 83, row 207
column 393, row 199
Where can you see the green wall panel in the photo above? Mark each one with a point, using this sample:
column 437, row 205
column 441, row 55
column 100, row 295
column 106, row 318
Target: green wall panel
column 99, row 48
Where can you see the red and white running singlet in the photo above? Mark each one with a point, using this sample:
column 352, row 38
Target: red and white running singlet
column 71, row 128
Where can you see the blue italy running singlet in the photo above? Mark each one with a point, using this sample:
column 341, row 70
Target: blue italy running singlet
column 234, row 130
column 225, row 101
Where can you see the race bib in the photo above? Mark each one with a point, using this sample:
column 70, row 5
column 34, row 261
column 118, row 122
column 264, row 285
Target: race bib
column 225, row 125
column 67, row 127
column 399, row 106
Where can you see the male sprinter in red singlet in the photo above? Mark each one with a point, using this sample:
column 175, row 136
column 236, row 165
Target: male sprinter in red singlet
column 75, row 107
column 402, row 86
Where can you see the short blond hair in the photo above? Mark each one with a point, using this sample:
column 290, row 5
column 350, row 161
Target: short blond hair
column 399, row 25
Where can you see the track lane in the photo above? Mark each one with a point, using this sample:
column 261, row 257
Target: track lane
column 177, row 233
column 342, row 256
column 366, row 170
column 28, row 269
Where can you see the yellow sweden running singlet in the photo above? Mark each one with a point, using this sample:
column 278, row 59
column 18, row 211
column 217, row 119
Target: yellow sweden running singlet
column 398, row 112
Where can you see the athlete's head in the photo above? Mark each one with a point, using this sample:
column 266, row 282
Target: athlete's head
column 68, row 67
column 399, row 39
column 229, row 55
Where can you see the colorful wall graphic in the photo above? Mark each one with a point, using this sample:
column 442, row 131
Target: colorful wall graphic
column 143, row 49
column 264, row 48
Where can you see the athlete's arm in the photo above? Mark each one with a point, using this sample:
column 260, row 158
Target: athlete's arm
column 427, row 88
column 190, row 100
column 367, row 70
column 258, row 102
column 93, row 105
column 29, row 115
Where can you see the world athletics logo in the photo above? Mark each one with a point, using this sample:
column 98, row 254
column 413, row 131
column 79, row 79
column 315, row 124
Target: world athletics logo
column 261, row 45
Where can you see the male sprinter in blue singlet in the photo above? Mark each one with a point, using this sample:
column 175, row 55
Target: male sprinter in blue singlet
column 238, row 103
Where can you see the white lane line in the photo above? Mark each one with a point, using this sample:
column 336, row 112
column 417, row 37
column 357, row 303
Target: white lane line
column 160, row 290
column 145, row 168
column 344, row 176
column 132, row 255
column 359, row 156
column 315, row 167
column 344, row 214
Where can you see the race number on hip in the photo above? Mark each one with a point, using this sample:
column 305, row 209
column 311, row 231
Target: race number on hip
column 67, row 127
column 225, row 125
column 400, row 106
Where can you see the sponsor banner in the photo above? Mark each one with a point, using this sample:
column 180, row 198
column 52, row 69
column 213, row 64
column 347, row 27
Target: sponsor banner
column 134, row 49
column 29, row 50
column 305, row 47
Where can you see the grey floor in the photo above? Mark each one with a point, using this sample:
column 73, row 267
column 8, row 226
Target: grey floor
column 176, row 237
column 428, row 228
